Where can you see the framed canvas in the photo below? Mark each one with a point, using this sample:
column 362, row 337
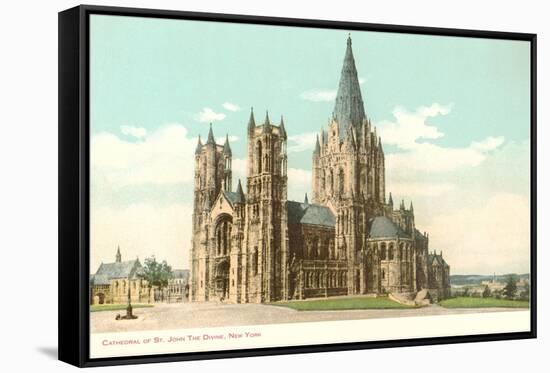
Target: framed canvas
column 233, row 186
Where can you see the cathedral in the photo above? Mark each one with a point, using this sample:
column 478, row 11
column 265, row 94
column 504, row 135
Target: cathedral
column 348, row 240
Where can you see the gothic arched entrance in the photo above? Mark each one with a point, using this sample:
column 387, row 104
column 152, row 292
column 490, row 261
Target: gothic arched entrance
column 222, row 279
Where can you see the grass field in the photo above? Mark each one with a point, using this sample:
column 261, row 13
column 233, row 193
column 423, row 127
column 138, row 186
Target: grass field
column 355, row 303
column 115, row 307
column 470, row 302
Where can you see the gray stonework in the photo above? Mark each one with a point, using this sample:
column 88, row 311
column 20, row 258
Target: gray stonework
column 259, row 247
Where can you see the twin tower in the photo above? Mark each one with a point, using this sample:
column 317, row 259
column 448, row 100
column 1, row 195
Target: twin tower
column 259, row 247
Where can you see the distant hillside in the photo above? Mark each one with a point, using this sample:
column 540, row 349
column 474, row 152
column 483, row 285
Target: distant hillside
column 477, row 279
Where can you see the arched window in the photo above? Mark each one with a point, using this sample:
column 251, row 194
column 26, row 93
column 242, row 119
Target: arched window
column 223, row 236
column 255, row 263
column 391, row 251
column 259, row 155
column 383, row 251
column 402, row 250
column 341, row 182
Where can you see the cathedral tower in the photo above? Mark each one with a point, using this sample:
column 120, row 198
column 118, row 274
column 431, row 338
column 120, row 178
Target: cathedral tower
column 348, row 171
column 266, row 210
column 212, row 175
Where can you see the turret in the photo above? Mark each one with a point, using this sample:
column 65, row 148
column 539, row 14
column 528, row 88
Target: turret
column 211, row 140
column 282, row 126
column 226, row 147
column 306, row 201
column 317, row 146
column 199, row 146
column 240, row 192
column 267, row 124
column 251, row 121
column 227, row 174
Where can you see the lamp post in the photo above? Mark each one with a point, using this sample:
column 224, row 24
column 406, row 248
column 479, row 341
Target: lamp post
column 129, row 315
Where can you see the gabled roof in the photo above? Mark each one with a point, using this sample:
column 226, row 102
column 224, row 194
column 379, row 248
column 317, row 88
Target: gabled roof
column 232, row 197
column 434, row 259
column 108, row 271
column 307, row 213
column 382, row 227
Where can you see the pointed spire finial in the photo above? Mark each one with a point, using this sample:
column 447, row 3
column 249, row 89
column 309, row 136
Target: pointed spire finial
column 267, row 123
column 118, row 256
column 211, row 136
column 411, row 206
column 226, row 147
column 306, row 201
column 348, row 105
column 283, row 131
column 390, row 201
column 251, row 121
column 199, row 146
column 240, row 192
column 317, row 146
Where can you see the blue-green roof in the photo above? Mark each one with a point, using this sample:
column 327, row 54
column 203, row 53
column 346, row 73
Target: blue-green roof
column 308, row 213
column 108, row 271
column 382, row 227
column 233, row 197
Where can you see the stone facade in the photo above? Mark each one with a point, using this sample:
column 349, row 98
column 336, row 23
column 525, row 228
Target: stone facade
column 260, row 247
column 111, row 281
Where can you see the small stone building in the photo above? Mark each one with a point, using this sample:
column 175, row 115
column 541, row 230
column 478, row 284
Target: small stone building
column 178, row 286
column 112, row 282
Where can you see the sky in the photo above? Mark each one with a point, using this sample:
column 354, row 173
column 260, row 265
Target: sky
column 453, row 114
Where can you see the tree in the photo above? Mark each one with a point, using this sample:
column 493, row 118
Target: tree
column 486, row 292
column 466, row 292
column 155, row 273
column 526, row 292
column 511, row 287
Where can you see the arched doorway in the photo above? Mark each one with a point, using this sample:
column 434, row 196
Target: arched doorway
column 222, row 280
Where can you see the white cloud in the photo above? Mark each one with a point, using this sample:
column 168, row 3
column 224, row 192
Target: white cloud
column 137, row 132
column 362, row 80
column 301, row 142
column 490, row 143
column 408, row 127
column 141, row 230
column 161, row 158
column 231, row 107
column 485, row 238
column 319, row 95
column 299, row 183
column 207, row 115
column 239, row 168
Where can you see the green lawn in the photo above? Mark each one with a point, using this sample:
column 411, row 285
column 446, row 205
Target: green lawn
column 470, row 302
column 354, row 303
column 115, row 307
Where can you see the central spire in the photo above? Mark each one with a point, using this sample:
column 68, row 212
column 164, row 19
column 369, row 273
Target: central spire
column 348, row 108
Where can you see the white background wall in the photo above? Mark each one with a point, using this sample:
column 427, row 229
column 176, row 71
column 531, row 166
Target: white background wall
column 28, row 183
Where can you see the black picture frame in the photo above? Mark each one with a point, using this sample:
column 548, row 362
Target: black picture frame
column 74, row 234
